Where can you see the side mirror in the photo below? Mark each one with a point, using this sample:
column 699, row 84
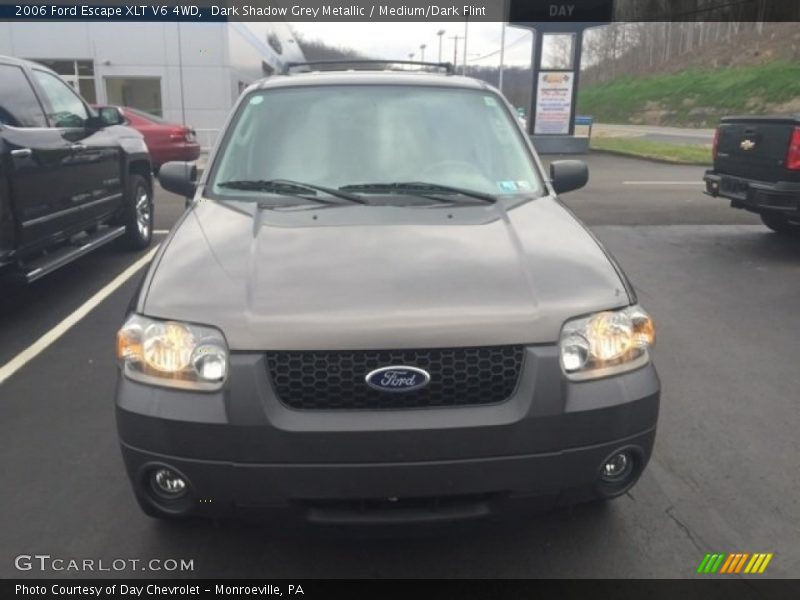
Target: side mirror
column 110, row 115
column 178, row 178
column 568, row 175
column 106, row 117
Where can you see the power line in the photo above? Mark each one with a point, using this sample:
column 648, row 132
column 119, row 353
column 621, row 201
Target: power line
column 514, row 43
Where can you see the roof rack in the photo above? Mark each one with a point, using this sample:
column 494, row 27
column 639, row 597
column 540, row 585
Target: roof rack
column 343, row 65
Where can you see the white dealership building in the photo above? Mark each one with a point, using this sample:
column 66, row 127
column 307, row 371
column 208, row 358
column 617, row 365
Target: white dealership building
column 184, row 72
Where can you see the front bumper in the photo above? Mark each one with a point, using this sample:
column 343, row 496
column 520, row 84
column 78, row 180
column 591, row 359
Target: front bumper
column 755, row 196
column 244, row 452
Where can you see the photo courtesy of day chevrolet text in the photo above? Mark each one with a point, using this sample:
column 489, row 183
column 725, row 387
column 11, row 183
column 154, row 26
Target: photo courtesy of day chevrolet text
column 153, row 590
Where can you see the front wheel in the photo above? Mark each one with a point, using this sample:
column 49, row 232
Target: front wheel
column 137, row 213
column 780, row 224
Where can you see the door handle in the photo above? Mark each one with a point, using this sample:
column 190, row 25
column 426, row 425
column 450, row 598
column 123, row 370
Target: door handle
column 22, row 153
column 77, row 147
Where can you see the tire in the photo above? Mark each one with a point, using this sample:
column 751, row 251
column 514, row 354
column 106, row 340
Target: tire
column 137, row 213
column 780, row 224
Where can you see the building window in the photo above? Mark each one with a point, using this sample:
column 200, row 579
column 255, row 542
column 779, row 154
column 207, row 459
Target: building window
column 143, row 93
column 78, row 73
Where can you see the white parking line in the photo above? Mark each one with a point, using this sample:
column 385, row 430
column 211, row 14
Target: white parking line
column 663, row 183
column 32, row 351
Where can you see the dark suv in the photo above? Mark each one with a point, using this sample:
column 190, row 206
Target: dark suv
column 70, row 180
column 377, row 310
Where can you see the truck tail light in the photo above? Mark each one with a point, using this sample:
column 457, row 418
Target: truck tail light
column 793, row 155
column 715, row 143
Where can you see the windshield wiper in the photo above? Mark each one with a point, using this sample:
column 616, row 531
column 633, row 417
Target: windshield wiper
column 289, row 188
column 417, row 187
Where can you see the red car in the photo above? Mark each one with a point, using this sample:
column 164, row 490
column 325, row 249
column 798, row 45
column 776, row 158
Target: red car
column 166, row 141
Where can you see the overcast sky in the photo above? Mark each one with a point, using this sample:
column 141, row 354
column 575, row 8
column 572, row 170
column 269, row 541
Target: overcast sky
column 398, row 40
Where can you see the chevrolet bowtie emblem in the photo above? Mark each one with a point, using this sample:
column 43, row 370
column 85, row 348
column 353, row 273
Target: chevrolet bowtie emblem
column 747, row 145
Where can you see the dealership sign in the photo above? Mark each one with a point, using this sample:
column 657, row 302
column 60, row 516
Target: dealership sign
column 553, row 103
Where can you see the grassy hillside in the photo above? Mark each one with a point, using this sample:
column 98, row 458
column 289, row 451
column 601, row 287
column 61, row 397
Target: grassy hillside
column 695, row 97
column 683, row 154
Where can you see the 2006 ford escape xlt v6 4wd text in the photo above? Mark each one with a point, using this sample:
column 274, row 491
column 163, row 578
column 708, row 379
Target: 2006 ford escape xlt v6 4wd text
column 376, row 310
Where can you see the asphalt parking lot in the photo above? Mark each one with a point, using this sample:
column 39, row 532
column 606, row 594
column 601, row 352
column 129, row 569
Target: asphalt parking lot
column 725, row 475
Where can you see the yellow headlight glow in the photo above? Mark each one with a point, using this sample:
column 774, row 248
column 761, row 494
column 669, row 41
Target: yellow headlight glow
column 168, row 346
column 186, row 356
column 644, row 330
column 606, row 343
column 610, row 335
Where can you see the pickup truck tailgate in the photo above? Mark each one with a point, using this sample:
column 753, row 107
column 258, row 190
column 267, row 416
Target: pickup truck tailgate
column 754, row 148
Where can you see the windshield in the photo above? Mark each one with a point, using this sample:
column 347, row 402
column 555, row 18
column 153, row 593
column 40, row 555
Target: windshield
column 337, row 136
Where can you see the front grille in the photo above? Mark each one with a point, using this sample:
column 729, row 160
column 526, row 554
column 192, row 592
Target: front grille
column 335, row 380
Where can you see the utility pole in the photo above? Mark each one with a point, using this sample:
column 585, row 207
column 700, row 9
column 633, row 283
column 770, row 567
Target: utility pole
column 455, row 39
column 502, row 55
column 180, row 72
column 466, row 32
column 502, row 46
column 422, row 52
column 440, row 33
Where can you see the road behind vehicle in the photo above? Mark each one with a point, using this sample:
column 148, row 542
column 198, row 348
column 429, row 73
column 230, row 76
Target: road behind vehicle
column 69, row 182
column 757, row 166
column 166, row 141
column 376, row 310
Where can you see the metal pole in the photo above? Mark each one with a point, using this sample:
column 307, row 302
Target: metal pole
column 440, row 33
column 536, row 66
column 422, row 52
column 180, row 73
column 466, row 32
column 455, row 39
column 502, row 55
column 577, row 49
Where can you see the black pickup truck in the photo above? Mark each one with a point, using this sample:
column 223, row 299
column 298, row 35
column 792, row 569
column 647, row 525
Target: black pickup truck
column 757, row 166
column 71, row 180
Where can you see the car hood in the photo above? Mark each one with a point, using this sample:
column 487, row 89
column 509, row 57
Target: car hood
column 379, row 277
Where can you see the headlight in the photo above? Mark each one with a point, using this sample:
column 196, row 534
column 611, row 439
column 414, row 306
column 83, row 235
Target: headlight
column 172, row 354
column 606, row 343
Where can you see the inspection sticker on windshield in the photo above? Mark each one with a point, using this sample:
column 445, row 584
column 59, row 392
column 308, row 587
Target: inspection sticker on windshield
column 490, row 101
column 507, row 186
column 256, row 99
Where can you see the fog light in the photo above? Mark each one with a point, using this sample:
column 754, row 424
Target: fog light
column 168, row 483
column 617, row 468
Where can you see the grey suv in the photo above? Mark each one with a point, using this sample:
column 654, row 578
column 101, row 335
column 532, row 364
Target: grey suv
column 376, row 310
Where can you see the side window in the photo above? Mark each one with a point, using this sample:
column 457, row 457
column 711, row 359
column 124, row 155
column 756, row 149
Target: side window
column 19, row 106
column 68, row 109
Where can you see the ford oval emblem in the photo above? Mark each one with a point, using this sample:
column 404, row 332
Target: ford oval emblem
column 397, row 378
